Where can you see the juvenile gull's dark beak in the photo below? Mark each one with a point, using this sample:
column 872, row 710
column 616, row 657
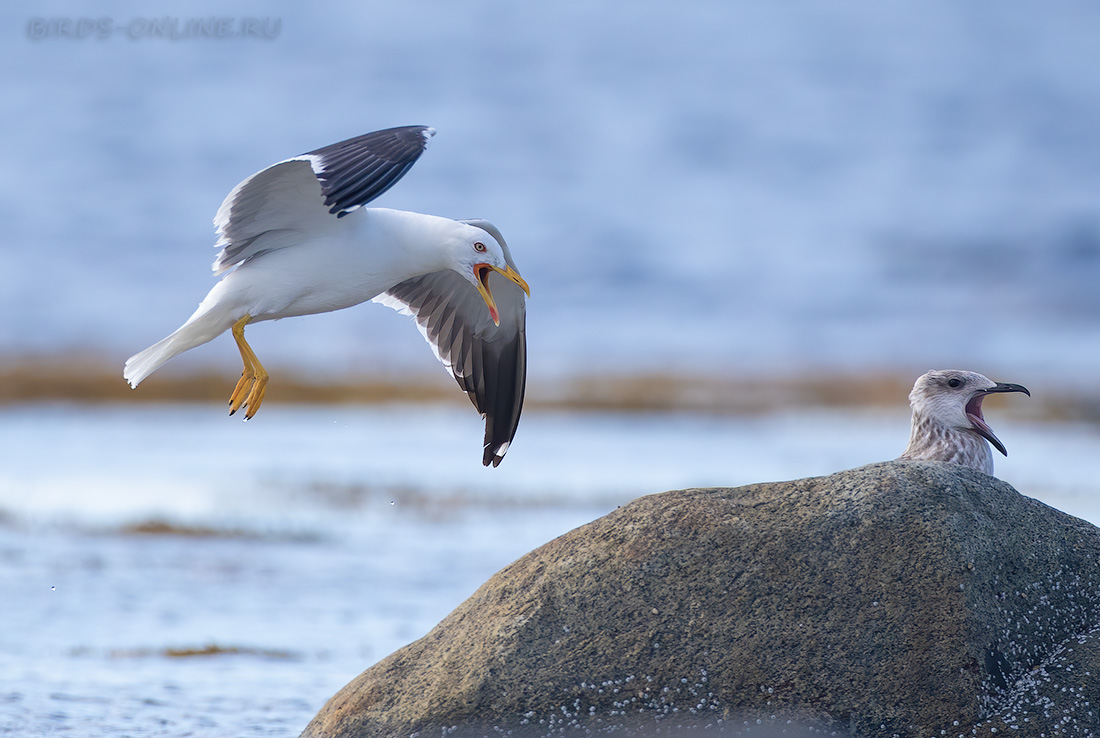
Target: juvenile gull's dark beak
column 1003, row 387
column 977, row 421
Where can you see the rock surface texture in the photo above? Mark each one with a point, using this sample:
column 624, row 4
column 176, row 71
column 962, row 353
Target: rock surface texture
column 903, row 598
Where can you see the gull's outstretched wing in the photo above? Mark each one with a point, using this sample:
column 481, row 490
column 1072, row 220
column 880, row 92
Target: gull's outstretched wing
column 290, row 201
column 356, row 171
column 488, row 361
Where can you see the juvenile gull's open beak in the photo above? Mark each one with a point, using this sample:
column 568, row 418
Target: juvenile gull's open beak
column 482, row 272
column 977, row 421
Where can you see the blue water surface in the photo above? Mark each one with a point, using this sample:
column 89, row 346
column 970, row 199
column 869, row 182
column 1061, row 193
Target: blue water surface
column 716, row 186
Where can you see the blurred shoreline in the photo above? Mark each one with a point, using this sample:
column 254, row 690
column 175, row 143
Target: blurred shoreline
column 82, row 379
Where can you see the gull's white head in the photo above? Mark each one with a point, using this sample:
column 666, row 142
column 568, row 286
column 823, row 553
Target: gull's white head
column 948, row 424
column 475, row 254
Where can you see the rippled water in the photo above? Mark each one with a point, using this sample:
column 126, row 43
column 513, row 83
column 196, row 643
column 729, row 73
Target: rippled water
column 314, row 541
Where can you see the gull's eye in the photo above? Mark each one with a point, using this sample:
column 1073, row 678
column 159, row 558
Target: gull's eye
column 954, row 382
column 479, row 246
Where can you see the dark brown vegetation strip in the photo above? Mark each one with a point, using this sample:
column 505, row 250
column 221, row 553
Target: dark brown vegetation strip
column 207, row 650
column 163, row 528
column 83, row 379
column 157, row 527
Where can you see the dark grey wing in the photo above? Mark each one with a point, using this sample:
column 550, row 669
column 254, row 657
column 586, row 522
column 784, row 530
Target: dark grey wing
column 488, row 361
column 356, row 171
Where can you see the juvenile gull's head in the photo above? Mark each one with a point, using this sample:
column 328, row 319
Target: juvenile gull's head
column 947, row 418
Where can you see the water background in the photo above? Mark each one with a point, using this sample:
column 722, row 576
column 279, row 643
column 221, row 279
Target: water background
column 168, row 571
column 720, row 186
column 704, row 188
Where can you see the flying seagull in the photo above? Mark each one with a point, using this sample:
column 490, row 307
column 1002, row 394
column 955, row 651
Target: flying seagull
column 947, row 418
column 296, row 239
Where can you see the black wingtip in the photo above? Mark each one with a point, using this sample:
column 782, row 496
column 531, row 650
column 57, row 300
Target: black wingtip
column 494, row 454
column 503, row 389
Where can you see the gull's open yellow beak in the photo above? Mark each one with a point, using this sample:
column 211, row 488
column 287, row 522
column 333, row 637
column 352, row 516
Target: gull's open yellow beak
column 482, row 271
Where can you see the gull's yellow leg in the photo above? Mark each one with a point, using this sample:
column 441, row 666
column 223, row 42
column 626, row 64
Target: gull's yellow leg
column 253, row 378
column 249, row 373
column 259, row 389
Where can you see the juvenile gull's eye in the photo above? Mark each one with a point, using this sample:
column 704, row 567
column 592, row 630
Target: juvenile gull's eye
column 954, row 382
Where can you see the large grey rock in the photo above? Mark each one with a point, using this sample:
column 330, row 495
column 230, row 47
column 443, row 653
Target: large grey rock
column 905, row 598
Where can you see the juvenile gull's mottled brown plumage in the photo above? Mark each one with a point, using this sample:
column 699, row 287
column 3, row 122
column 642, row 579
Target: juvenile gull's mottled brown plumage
column 947, row 418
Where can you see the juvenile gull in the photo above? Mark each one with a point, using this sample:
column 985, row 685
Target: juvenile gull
column 947, row 418
column 295, row 239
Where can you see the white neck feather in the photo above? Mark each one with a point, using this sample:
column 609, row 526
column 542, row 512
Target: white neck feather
column 412, row 243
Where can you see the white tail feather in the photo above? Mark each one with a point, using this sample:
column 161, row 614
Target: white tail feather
column 200, row 328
